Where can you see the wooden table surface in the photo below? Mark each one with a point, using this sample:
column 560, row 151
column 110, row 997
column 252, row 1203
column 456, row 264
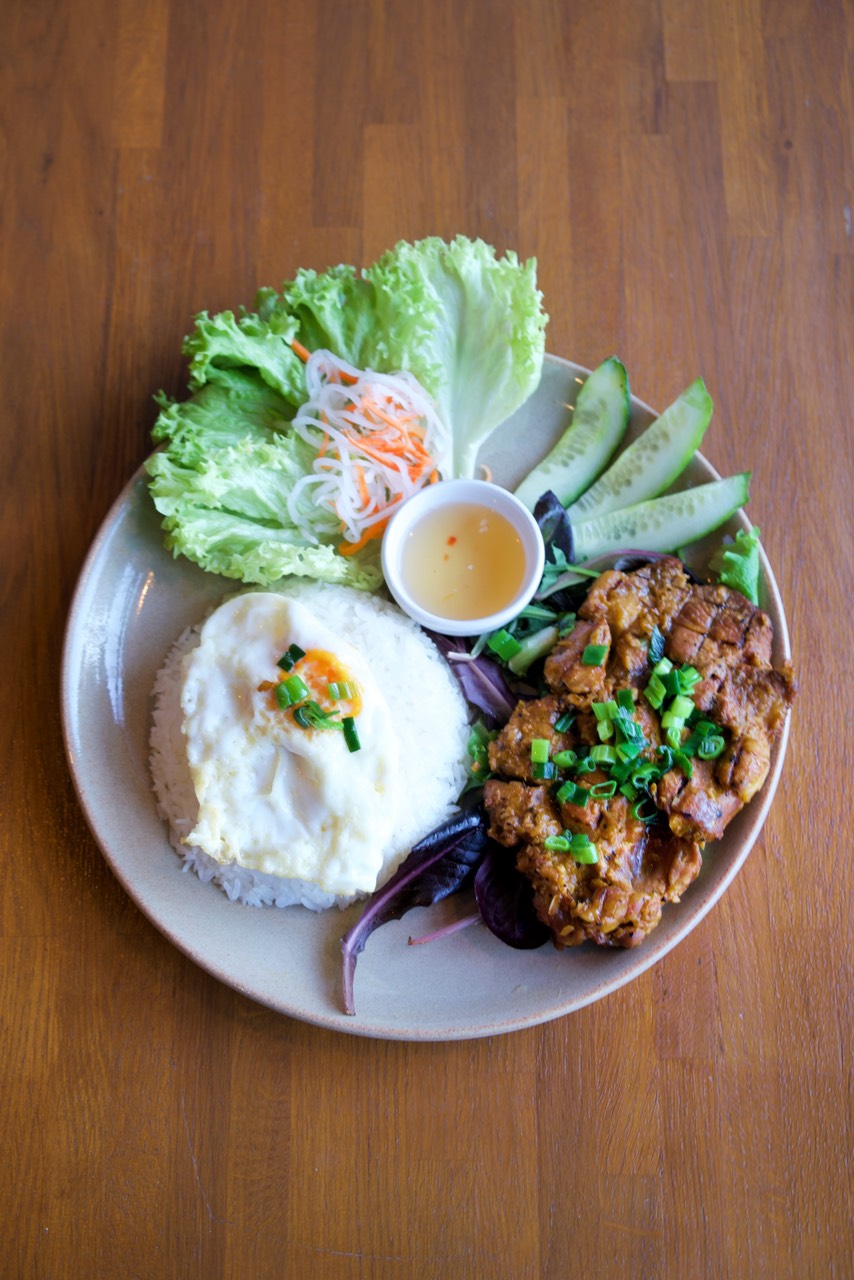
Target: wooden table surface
column 683, row 173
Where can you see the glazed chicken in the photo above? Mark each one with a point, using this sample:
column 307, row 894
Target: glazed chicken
column 643, row 858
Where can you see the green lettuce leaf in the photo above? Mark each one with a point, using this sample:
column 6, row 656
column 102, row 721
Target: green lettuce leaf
column 468, row 325
column 222, row 486
column 223, row 342
column 737, row 564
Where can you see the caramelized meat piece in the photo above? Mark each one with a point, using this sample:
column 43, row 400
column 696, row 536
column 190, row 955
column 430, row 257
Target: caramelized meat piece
column 617, row 900
column 567, row 674
column 510, row 752
column 519, row 814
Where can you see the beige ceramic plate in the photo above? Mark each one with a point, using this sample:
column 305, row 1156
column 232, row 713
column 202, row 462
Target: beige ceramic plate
column 132, row 602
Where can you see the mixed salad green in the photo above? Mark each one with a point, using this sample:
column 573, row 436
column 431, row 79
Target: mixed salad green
column 469, row 326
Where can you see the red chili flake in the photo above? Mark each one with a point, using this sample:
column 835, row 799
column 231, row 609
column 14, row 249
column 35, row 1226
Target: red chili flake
column 452, row 540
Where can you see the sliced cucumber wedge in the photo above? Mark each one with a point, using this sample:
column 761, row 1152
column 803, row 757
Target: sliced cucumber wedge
column 598, row 424
column 663, row 524
column 652, row 462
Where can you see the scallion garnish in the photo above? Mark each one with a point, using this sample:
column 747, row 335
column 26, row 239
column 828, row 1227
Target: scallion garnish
column 603, row 755
column 710, row 748
column 557, row 844
column 291, row 657
column 504, row 645
column 564, row 722
column 544, row 770
column 539, row 750
column 297, row 689
column 656, row 645
column 565, row 759
column 571, row 793
column 625, row 700
column 340, row 690
column 594, row 655
column 351, row 736
column 582, row 848
column 603, row 790
column 310, row 715
column 644, row 810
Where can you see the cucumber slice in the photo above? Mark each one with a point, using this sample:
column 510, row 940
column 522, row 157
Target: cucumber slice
column 652, row 462
column 663, row 524
column 598, row 424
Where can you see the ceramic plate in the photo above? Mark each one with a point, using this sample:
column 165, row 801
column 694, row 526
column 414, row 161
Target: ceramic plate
column 132, row 602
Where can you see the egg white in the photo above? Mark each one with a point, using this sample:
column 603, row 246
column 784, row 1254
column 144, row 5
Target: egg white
column 274, row 797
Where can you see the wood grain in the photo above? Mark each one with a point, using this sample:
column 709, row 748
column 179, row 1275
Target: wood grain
column 684, row 173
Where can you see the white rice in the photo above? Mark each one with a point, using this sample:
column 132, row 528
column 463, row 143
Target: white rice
column 429, row 714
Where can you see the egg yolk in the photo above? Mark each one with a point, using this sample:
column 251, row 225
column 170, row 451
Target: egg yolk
column 319, row 669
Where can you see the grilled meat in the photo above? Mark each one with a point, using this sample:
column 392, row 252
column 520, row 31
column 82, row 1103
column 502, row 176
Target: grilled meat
column 618, row 899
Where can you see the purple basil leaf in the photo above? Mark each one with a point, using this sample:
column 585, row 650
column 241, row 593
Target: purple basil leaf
column 481, row 679
column 505, row 899
column 555, row 525
column 436, row 867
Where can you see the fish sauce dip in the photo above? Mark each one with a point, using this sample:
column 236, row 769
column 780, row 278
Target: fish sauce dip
column 462, row 557
column 463, row 561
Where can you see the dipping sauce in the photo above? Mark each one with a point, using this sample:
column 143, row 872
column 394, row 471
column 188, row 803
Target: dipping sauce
column 463, row 560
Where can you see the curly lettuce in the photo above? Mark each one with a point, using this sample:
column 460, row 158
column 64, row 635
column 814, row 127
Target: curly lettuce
column 468, row 324
column 737, row 564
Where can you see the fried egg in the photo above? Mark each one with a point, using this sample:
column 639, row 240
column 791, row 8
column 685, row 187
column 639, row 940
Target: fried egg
column 274, row 796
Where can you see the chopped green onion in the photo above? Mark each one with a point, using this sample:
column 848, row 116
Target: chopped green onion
column 655, row 692
column 340, row 690
column 629, row 729
column 644, row 810
column 629, row 791
column 629, row 750
column 310, row 715
column 594, row 655
column 539, row 750
column 351, row 736
column 603, row 755
column 682, row 707
column 604, row 710
column 689, row 677
column 666, row 754
column 564, row 722
column 544, row 771
column 603, row 790
column 644, row 773
column 710, row 748
column 282, row 696
column 504, row 645
column 674, row 736
column 684, row 762
column 571, row 793
column 625, row 700
column 663, row 667
column 289, row 659
column 565, row 759
column 582, row 849
column 587, row 764
column 621, row 769
column 559, row 844
column 656, row 645
column 296, row 688
column 605, row 730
